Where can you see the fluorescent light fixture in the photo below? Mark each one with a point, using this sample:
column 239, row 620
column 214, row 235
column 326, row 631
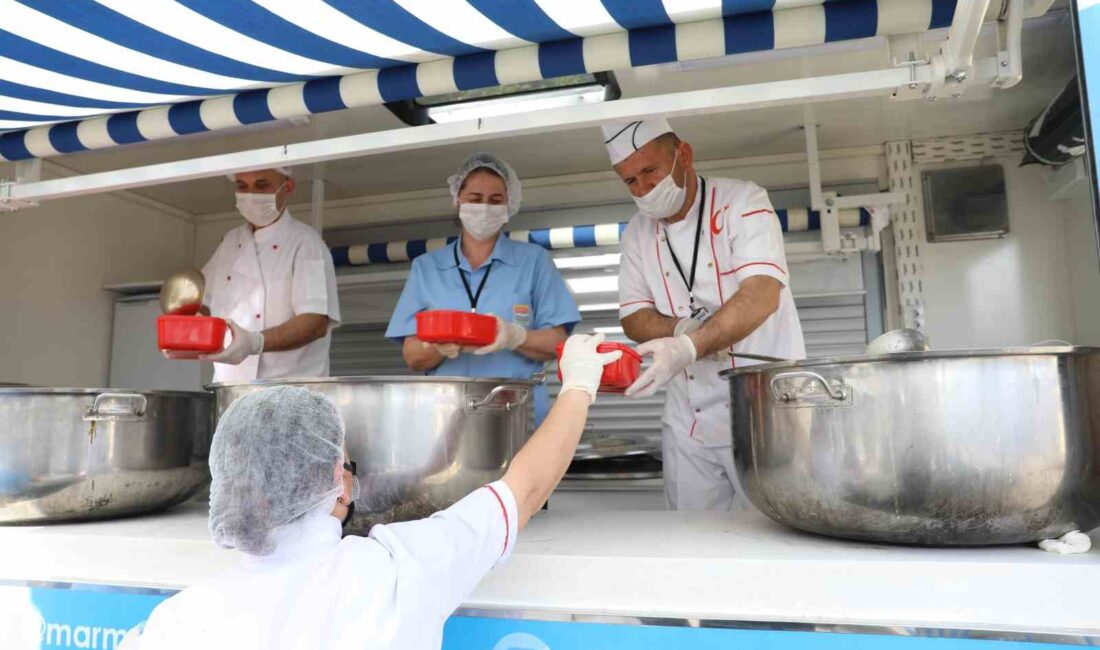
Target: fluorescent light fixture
column 587, row 261
column 576, row 96
column 599, row 306
column 608, row 330
column 594, row 284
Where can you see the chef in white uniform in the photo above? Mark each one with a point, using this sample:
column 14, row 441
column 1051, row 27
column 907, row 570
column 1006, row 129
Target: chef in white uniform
column 280, row 489
column 273, row 279
column 703, row 277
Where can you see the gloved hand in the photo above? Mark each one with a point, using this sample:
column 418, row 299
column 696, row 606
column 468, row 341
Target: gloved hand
column 582, row 366
column 509, row 337
column 686, row 326
column 449, row 350
column 670, row 356
column 245, row 343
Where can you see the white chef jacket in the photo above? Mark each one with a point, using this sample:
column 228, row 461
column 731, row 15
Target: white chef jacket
column 394, row 589
column 741, row 238
column 264, row 278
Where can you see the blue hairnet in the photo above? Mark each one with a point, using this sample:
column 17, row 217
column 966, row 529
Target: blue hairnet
column 493, row 164
column 273, row 459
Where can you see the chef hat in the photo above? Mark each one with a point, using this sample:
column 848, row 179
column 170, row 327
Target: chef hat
column 285, row 171
column 624, row 138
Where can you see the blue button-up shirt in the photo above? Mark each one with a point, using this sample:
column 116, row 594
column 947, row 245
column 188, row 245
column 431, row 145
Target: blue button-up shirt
column 524, row 287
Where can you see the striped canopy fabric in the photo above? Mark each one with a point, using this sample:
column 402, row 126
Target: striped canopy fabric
column 605, row 234
column 84, row 74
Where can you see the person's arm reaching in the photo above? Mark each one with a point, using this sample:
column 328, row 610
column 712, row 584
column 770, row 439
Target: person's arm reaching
column 447, row 554
column 540, row 465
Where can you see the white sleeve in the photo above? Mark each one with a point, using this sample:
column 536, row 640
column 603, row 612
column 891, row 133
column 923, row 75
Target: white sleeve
column 755, row 238
column 313, row 290
column 449, row 553
column 634, row 293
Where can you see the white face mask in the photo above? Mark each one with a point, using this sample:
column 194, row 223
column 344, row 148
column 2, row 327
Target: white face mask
column 259, row 209
column 482, row 220
column 665, row 199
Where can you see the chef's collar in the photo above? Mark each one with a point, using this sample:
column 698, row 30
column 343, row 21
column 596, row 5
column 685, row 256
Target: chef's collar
column 316, row 531
column 275, row 230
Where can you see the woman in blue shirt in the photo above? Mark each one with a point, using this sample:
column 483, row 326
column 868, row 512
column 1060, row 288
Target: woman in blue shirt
column 488, row 273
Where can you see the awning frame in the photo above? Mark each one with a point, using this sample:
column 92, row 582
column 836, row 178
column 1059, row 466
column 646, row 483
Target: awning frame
column 949, row 72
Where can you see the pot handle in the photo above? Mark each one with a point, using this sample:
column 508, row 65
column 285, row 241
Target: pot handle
column 134, row 412
column 486, row 403
column 838, row 393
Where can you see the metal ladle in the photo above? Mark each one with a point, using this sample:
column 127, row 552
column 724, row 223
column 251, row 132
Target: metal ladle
column 182, row 292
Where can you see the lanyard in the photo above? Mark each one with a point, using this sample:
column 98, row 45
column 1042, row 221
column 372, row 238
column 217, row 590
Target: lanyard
column 690, row 282
column 474, row 297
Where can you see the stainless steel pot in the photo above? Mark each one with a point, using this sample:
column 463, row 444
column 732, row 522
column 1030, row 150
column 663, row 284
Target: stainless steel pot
column 70, row 453
column 419, row 443
column 942, row 448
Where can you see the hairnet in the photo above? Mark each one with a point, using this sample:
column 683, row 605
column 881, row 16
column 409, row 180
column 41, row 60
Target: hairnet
column 273, row 459
column 493, row 164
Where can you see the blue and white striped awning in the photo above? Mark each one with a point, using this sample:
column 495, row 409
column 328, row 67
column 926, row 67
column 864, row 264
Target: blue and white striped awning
column 566, row 237
column 84, row 74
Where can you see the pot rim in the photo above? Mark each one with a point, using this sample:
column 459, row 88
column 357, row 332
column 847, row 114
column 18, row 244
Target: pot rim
column 373, row 379
column 961, row 353
column 32, row 390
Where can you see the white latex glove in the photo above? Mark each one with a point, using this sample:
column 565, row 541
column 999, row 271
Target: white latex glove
column 670, row 356
column 245, row 343
column 1071, row 543
column 582, row 366
column 686, row 326
column 449, row 350
column 509, row 337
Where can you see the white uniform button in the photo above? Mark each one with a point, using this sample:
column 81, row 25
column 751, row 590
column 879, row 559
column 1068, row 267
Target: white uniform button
column 691, row 377
column 710, row 265
column 696, row 410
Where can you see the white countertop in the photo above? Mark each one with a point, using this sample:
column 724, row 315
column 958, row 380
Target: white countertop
column 648, row 564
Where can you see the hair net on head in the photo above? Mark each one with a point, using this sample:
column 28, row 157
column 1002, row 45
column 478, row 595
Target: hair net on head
column 273, row 459
column 494, row 164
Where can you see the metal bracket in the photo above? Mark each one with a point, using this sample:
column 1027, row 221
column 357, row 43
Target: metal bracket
column 1010, row 66
column 26, row 171
column 953, row 68
column 829, row 204
column 915, row 89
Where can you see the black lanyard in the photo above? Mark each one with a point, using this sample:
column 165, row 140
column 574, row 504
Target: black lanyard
column 690, row 282
column 474, row 297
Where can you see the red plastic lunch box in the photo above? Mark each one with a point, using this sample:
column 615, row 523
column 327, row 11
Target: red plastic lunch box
column 461, row 327
column 190, row 333
column 617, row 375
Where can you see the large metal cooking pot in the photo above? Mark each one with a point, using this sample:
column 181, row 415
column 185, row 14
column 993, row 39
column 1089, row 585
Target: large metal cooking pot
column 419, row 443
column 74, row 453
column 941, row 448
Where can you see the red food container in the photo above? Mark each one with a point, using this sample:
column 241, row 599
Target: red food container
column 617, row 375
column 203, row 334
column 461, row 327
